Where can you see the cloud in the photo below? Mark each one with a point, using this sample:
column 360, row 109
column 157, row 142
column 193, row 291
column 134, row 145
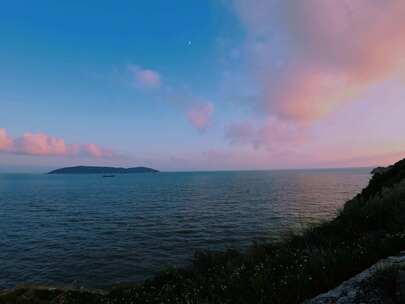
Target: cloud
column 241, row 133
column 40, row 144
column 95, row 151
column 197, row 110
column 274, row 134
column 5, row 141
column 312, row 57
column 200, row 115
column 145, row 78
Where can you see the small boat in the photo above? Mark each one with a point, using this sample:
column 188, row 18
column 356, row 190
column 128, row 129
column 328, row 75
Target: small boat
column 108, row 175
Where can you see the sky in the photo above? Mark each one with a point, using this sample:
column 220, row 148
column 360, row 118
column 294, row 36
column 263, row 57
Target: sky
column 201, row 85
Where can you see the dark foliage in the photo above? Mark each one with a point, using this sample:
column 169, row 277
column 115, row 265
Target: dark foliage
column 102, row 170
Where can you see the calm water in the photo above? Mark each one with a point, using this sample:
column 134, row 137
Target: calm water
column 94, row 231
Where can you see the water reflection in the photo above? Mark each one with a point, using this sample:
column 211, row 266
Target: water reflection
column 60, row 229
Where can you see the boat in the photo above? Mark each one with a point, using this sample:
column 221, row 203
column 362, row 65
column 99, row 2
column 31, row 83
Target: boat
column 108, row 175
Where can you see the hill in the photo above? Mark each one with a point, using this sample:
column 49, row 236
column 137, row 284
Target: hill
column 102, row 170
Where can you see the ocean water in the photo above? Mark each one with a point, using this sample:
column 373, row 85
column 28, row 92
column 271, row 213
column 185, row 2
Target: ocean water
column 91, row 231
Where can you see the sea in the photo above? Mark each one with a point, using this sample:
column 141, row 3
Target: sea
column 95, row 232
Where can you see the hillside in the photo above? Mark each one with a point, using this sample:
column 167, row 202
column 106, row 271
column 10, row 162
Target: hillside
column 102, row 170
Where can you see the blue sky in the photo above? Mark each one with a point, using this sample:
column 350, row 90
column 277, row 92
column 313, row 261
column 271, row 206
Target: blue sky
column 64, row 69
column 183, row 85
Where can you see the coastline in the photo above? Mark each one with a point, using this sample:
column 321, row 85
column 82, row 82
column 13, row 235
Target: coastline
column 369, row 228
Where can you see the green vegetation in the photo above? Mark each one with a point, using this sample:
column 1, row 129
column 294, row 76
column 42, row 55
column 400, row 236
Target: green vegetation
column 370, row 227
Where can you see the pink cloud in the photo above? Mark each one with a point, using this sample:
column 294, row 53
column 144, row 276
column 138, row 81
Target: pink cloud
column 96, row 151
column 329, row 52
column 5, row 141
column 144, row 77
column 274, row 134
column 40, row 144
column 200, row 115
column 196, row 109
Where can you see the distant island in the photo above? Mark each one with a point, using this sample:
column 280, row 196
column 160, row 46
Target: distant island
column 102, row 170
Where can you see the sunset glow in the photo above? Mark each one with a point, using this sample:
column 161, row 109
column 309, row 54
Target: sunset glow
column 241, row 84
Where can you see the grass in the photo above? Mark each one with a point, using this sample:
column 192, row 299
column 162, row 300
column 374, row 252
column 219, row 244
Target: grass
column 370, row 227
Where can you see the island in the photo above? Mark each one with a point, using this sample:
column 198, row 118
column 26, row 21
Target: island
column 102, row 170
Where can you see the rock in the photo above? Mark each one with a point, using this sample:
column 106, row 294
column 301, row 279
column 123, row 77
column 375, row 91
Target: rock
column 348, row 291
column 380, row 170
